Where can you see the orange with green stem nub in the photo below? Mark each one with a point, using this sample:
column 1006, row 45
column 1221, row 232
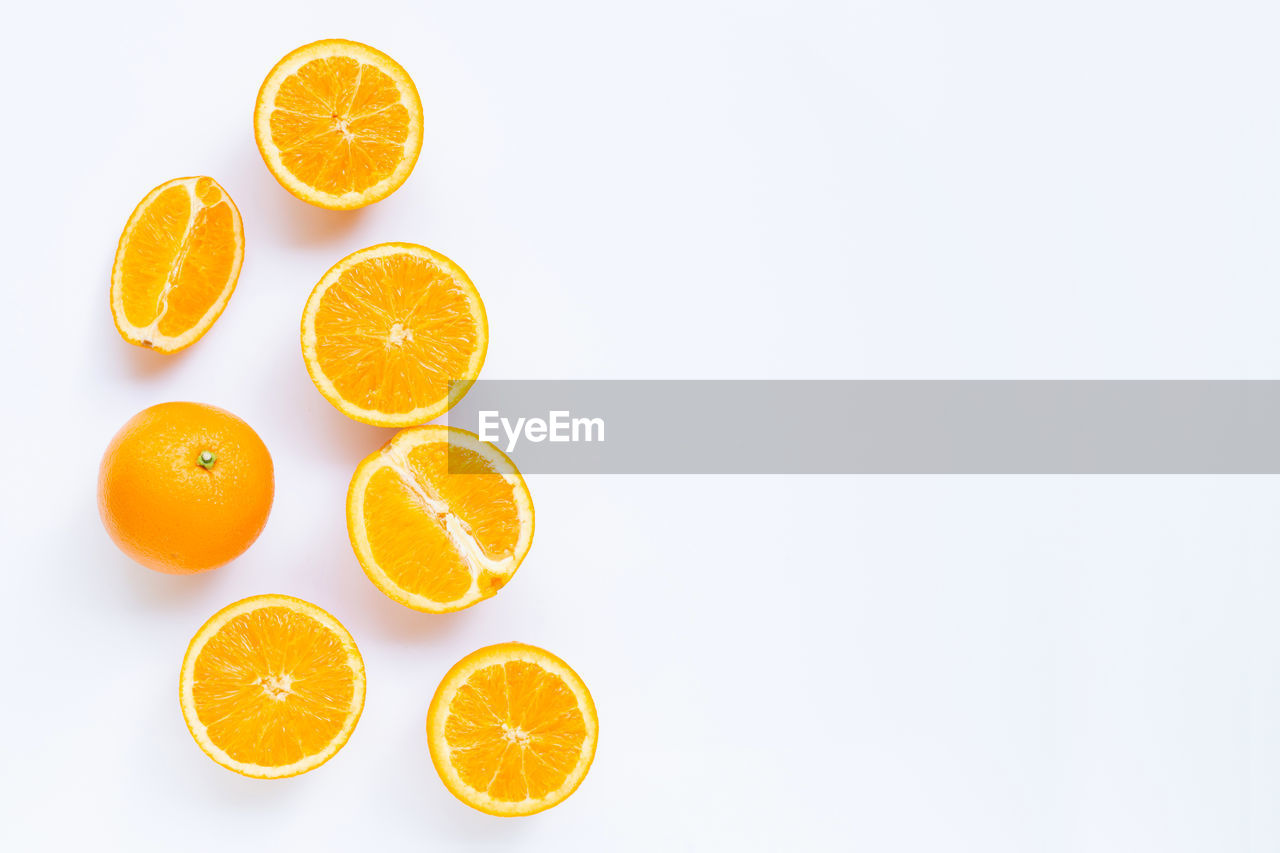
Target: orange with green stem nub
column 185, row 487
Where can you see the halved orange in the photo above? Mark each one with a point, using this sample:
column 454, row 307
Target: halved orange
column 272, row 686
column 339, row 124
column 438, row 518
column 386, row 331
column 177, row 264
column 512, row 730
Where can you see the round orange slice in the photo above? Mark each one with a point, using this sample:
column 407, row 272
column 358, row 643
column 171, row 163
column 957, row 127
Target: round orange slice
column 339, row 124
column 177, row 263
column 439, row 519
column 394, row 335
column 512, row 730
column 272, row 686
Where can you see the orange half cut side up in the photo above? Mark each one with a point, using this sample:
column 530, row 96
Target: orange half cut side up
column 272, row 686
column 512, row 730
column 339, row 124
column 438, row 519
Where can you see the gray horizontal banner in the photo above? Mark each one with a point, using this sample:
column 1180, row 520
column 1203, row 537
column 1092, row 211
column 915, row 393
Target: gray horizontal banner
column 878, row 427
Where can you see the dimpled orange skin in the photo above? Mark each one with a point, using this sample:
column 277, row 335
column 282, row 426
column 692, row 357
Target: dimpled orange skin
column 166, row 510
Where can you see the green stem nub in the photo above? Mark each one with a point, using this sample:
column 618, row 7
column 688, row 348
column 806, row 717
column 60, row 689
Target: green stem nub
column 207, row 458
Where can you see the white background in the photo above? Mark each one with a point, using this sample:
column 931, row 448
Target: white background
column 668, row 190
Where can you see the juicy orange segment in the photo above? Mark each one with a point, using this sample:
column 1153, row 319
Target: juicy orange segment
column 387, row 329
column 512, row 730
column 272, row 686
column 176, row 264
column 339, row 124
column 439, row 519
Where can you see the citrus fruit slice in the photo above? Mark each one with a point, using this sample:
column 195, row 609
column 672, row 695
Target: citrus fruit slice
column 176, row 264
column 438, row 518
column 271, row 686
column 387, row 329
column 512, row 730
column 185, row 487
column 339, row 124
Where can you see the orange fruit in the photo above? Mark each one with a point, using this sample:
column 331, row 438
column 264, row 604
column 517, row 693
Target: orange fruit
column 339, row 124
column 512, row 730
column 438, row 518
column 271, row 686
column 387, row 329
column 185, row 487
column 176, row 264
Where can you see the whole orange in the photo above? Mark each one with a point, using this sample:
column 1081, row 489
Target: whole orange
column 185, row 487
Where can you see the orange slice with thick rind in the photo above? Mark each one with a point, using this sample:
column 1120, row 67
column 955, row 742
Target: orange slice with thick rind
column 439, row 519
column 394, row 335
column 176, row 264
column 512, row 730
column 272, row 686
column 339, row 124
